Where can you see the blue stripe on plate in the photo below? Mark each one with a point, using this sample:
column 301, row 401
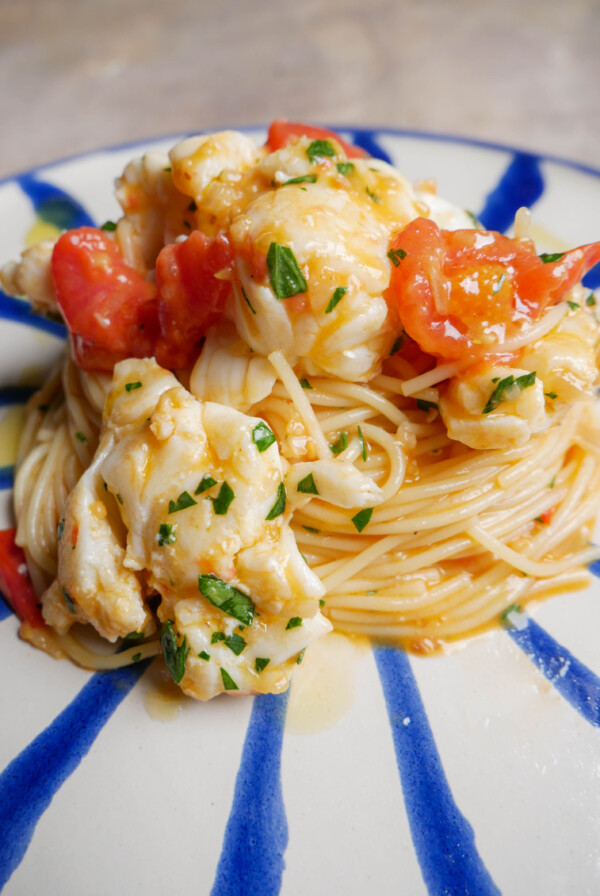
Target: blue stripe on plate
column 16, row 394
column 366, row 140
column 521, row 184
column 54, row 205
column 5, row 610
column 256, row 835
column 573, row 681
column 592, row 278
column 29, row 783
column 443, row 838
column 7, row 477
column 21, row 312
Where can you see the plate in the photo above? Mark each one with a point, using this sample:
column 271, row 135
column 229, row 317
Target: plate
column 472, row 773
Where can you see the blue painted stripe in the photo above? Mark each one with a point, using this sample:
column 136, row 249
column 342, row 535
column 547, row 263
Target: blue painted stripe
column 16, row 394
column 521, row 184
column 592, row 278
column 29, row 783
column 256, row 836
column 443, row 839
column 594, row 568
column 21, row 312
column 573, row 681
column 54, row 205
column 5, row 610
column 7, row 477
column 366, row 140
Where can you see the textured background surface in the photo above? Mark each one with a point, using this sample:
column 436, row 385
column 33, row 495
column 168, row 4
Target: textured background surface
column 78, row 74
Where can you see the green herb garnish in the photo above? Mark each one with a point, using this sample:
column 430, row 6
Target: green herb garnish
column 228, row 682
column 294, row 622
column 301, row 656
column 223, row 500
column 345, row 168
column 512, row 608
column 205, row 483
column 548, row 257
column 337, row 296
column 68, row 601
column 279, row 506
column 184, row 500
column 166, row 535
column 130, row 387
column 262, row 436
column 573, row 305
column 227, row 598
column 175, row 656
column 305, row 384
column 396, row 256
column 362, row 518
column 285, row 275
column 60, row 529
column 109, row 226
column 551, row 395
column 397, row 345
column 426, row 405
column 235, row 643
column 340, row 444
column 134, row 636
column 303, row 179
column 507, row 388
column 81, row 437
column 320, row 149
column 136, row 657
column 261, row 663
column 204, row 655
column 247, row 300
column 363, row 444
column 372, row 196
column 590, row 300
column 307, row 485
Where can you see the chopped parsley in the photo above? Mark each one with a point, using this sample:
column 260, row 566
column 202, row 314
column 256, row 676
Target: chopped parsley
column 131, row 387
column 573, row 305
column 345, row 168
column 223, row 500
column 551, row 395
column 474, row 219
column 426, row 405
column 590, row 300
column 175, row 656
column 552, row 482
column 337, row 296
column 303, row 179
column 227, row 598
column 247, row 300
column 307, row 485
column 184, row 500
column 285, row 275
column 507, row 390
column 166, row 534
column 134, row 636
column 228, row 682
column 60, row 529
column 312, row 530
column 363, row 444
column 120, row 499
column 205, row 483
column 340, row 444
column 109, row 226
column 512, row 608
column 372, row 196
column 397, row 345
column 294, row 622
column 301, row 656
column 81, row 437
column 396, row 256
column 305, row 384
column 261, row 663
column 216, row 637
column 548, row 257
column 262, row 436
column 204, row 655
column 68, row 601
column 136, row 657
column 279, row 506
column 235, row 643
column 362, row 518
column 321, row 602
column 320, row 149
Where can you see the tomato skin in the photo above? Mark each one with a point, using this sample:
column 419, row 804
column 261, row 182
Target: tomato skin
column 109, row 308
column 283, row 132
column 456, row 292
column 15, row 583
column 190, row 297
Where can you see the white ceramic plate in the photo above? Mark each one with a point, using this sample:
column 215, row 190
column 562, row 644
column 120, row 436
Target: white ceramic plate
column 476, row 773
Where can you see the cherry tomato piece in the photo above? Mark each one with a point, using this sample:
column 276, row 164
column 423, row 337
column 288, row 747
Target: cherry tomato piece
column 282, row 132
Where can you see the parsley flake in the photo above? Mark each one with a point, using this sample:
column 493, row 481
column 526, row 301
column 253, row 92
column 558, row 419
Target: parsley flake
column 68, row 601
column 166, row 535
column 551, row 395
column 372, row 196
column 247, row 300
column 426, row 405
column 262, row 436
column 301, row 656
column 108, row 226
column 303, row 179
column 397, row 345
column 362, row 518
column 235, row 643
column 279, row 506
column 81, row 437
column 307, row 485
column 216, row 637
column 507, row 390
column 261, row 663
column 184, row 500
column 223, row 500
column 363, row 444
column 590, row 300
column 136, row 657
column 573, row 305
column 548, row 257
column 320, row 149
column 305, row 384
column 228, row 682
column 512, row 608
column 227, row 598
column 204, row 655
column 294, row 622
column 205, row 483
column 345, row 168
column 131, row 387
column 175, row 656
column 340, row 444
column 285, row 275
column 337, row 296
column 396, row 256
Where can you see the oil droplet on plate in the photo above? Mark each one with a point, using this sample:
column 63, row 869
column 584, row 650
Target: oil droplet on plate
column 323, row 688
column 162, row 698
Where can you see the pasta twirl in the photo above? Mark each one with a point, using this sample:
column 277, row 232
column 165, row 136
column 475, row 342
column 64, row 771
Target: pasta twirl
column 298, row 397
